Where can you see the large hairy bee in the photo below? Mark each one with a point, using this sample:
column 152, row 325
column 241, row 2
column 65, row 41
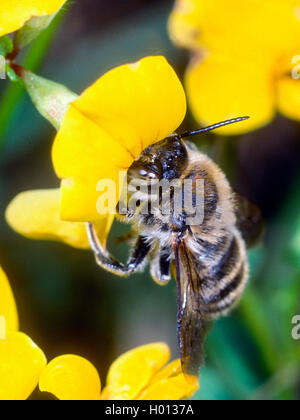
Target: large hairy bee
column 209, row 259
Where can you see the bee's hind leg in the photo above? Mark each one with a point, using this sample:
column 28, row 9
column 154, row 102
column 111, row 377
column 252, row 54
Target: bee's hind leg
column 107, row 262
column 161, row 268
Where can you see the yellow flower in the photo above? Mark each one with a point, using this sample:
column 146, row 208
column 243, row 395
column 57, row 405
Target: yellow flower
column 35, row 215
column 8, row 308
column 107, row 128
column 140, row 374
column 102, row 133
column 244, row 54
column 21, row 361
column 15, row 13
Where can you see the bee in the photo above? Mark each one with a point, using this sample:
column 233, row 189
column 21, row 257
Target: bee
column 209, row 259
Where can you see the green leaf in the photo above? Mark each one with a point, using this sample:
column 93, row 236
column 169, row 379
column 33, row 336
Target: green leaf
column 212, row 386
column 6, row 46
column 293, row 253
column 230, row 352
column 257, row 317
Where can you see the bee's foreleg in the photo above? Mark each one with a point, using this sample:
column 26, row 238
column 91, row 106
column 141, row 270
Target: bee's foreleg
column 107, row 262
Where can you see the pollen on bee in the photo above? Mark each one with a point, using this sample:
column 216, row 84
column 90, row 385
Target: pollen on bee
column 195, row 178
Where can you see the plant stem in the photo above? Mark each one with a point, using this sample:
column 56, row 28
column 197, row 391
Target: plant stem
column 32, row 61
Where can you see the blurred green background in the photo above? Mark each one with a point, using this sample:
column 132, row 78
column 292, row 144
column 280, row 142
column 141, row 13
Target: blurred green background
column 67, row 304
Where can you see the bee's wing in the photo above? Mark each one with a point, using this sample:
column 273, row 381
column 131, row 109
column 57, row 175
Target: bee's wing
column 191, row 325
column 249, row 220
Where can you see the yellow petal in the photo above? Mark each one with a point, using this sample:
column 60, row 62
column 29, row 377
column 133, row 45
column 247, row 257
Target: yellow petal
column 172, row 369
column 83, row 154
column 288, row 96
column 71, row 378
column 170, row 384
column 125, row 111
column 252, row 28
column 174, row 388
column 185, row 23
column 2, row 328
column 133, row 371
column 8, row 308
column 147, row 97
column 219, row 88
column 21, row 363
column 15, row 13
column 35, row 215
column 247, row 44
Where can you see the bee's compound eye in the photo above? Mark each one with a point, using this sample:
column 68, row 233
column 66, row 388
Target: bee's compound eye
column 144, row 170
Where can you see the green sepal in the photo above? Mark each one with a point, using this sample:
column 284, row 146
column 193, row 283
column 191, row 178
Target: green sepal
column 11, row 74
column 50, row 99
column 32, row 30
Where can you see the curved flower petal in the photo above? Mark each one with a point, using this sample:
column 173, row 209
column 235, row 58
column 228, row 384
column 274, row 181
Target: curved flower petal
column 185, row 23
column 288, row 97
column 147, row 97
column 170, row 384
column 248, row 45
column 84, row 154
column 252, row 28
column 8, row 309
column 219, row 88
column 71, row 378
column 15, row 13
column 125, row 111
column 21, row 363
column 35, row 215
column 133, row 371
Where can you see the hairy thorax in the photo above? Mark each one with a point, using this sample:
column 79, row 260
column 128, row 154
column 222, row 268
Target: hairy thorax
column 208, row 238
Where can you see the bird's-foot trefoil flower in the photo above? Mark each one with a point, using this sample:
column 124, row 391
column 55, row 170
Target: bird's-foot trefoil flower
column 28, row 17
column 36, row 215
column 100, row 134
column 107, row 128
column 245, row 61
column 140, row 374
column 21, row 361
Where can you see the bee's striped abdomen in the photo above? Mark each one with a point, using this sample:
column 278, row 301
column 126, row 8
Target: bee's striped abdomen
column 226, row 279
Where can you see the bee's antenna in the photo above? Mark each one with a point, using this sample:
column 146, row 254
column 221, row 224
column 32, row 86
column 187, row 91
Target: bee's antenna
column 212, row 127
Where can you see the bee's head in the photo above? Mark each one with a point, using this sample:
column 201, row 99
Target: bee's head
column 163, row 160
